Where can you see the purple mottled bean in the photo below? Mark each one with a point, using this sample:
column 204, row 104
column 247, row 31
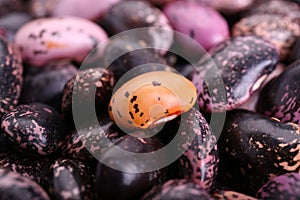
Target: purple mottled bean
column 200, row 22
column 280, row 97
column 286, row 186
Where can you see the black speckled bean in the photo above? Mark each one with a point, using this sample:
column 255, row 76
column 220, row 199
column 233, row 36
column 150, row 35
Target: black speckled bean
column 243, row 62
column 253, row 149
column 34, row 128
column 36, row 169
column 280, row 97
column 15, row 186
column 71, row 179
column 200, row 162
column 81, row 143
column 11, row 80
column 46, row 84
column 177, row 190
column 283, row 187
column 103, row 79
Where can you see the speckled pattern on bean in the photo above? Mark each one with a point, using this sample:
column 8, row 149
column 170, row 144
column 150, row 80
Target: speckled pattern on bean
column 278, row 7
column 282, row 31
column 251, row 143
column 283, row 187
column 36, row 169
column 243, row 64
column 200, row 162
column 71, row 179
column 151, row 99
column 45, row 40
column 84, row 144
column 11, row 80
column 104, row 81
column 280, row 98
column 35, row 128
column 15, row 186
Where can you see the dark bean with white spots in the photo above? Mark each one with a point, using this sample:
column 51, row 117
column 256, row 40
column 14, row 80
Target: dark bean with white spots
column 84, row 144
column 71, row 179
column 46, row 85
column 253, row 149
column 82, row 83
column 283, row 187
column 243, row 63
column 177, row 189
column 36, row 169
column 280, row 97
column 199, row 162
column 17, row 187
column 34, row 128
column 281, row 31
column 11, row 70
column 114, row 184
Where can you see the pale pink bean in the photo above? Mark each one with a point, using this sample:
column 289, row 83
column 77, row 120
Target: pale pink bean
column 49, row 39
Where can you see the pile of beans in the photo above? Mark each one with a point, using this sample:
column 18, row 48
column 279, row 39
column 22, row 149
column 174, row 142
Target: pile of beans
column 57, row 62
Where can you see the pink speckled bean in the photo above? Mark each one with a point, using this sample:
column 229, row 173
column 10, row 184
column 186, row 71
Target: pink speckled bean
column 47, row 39
column 199, row 163
column 200, row 22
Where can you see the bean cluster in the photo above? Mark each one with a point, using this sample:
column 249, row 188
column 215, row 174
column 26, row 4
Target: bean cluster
column 155, row 73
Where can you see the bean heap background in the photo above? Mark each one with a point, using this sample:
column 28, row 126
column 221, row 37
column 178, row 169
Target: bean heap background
column 255, row 45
